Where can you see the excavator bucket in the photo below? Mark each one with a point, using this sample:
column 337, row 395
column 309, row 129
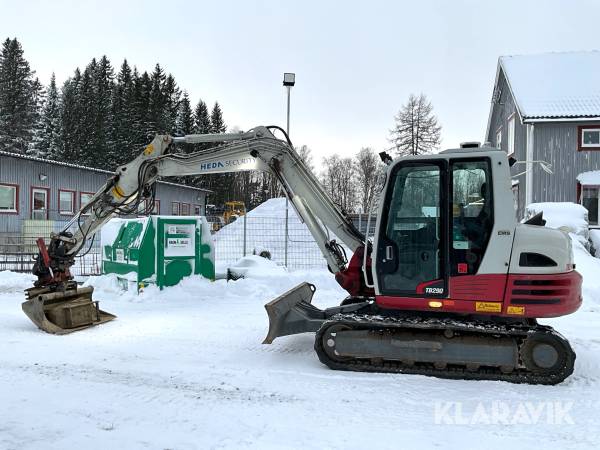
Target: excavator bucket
column 62, row 312
column 293, row 313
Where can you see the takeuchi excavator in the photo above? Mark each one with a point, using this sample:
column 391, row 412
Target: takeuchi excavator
column 450, row 284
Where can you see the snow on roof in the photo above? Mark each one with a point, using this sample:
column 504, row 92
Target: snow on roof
column 555, row 85
column 588, row 178
column 91, row 169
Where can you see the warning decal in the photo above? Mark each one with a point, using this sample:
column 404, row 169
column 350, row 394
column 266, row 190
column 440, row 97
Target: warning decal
column 488, row 306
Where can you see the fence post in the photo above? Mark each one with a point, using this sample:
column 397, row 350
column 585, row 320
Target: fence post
column 285, row 263
column 244, row 235
column 360, row 222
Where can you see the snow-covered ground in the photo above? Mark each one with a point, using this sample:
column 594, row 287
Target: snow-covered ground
column 185, row 368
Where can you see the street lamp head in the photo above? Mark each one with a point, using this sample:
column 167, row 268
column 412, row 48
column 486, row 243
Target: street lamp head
column 289, row 79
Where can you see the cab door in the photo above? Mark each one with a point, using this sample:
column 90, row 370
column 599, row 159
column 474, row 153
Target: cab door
column 412, row 237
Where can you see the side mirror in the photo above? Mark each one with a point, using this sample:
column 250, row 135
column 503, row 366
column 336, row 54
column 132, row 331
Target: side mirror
column 386, row 158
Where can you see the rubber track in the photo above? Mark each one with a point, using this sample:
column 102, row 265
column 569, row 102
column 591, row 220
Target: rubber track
column 378, row 323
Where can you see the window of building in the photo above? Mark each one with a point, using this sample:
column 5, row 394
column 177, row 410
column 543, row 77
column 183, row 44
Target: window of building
column 185, row 209
column 510, row 138
column 175, row 208
column 588, row 138
column 84, row 199
column 39, row 203
column 66, row 202
column 589, row 199
column 197, row 210
column 142, row 207
column 499, row 138
column 9, row 198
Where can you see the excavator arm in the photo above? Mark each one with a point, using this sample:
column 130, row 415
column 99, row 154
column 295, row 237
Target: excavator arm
column 133, row 186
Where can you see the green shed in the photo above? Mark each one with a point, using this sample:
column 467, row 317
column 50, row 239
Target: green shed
column 159, row 250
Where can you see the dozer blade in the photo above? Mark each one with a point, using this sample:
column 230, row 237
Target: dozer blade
column 293, row 312
column 63, row 312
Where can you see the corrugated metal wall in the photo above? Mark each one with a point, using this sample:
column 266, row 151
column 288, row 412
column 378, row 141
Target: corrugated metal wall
column 502, row 110
column 557, row 143
column 28, row 174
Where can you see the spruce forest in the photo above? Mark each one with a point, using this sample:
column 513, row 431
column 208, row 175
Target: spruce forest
column 102, row 117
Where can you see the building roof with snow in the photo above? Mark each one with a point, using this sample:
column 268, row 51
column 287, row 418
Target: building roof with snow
column 554, row 86
column 91, row 169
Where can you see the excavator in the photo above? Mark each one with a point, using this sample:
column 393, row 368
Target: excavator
column 449, row 285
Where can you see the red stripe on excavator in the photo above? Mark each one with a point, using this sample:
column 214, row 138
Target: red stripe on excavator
column 530, row 296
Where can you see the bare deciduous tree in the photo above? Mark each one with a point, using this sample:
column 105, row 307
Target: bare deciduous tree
column 368, row 168
column 416, row 130
column 339, row 180
column 305, row 154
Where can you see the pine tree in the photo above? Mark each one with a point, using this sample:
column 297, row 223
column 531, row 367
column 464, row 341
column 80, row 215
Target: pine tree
column 19, row 98
column 202, row 123
column 69, row 149
column 144, row 126
column 39, row 100
column 185, row 121
column 216, row 120
column 157, row 102
column 123, row 116
column 49, row 146
column 103, row 84
column 416, row 130
column 85, row 108
column 172, row 96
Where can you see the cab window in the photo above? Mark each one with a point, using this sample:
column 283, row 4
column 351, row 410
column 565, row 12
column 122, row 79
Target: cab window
column 472, row 214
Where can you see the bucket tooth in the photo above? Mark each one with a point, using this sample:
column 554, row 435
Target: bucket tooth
column 62, row 312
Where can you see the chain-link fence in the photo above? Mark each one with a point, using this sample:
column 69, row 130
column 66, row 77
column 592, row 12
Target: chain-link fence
column 287, row 241
column 18, row 248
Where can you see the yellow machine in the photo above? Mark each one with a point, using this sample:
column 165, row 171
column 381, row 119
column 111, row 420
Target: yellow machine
column 233, row 211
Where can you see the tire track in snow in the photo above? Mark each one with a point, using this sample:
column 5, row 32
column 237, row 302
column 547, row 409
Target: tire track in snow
column 158, row 384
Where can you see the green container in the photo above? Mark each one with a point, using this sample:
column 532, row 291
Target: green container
column 157, row 250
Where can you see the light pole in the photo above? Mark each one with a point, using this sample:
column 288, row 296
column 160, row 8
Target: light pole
column 289, row 80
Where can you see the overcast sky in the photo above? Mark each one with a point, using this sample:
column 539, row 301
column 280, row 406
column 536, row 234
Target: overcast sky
column 356, row 62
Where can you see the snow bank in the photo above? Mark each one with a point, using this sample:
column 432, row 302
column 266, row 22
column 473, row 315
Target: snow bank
column 589, row 268
column 566, row 216
column 15, row 282
column 595, row 240
column 256, row 267
column 265, row 230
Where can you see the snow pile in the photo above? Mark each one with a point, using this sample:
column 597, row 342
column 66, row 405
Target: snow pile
column 595, row 240
column 15, row 282
column 566, row 216
column 265, row 230
column 255, row 267
column 589, row 268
